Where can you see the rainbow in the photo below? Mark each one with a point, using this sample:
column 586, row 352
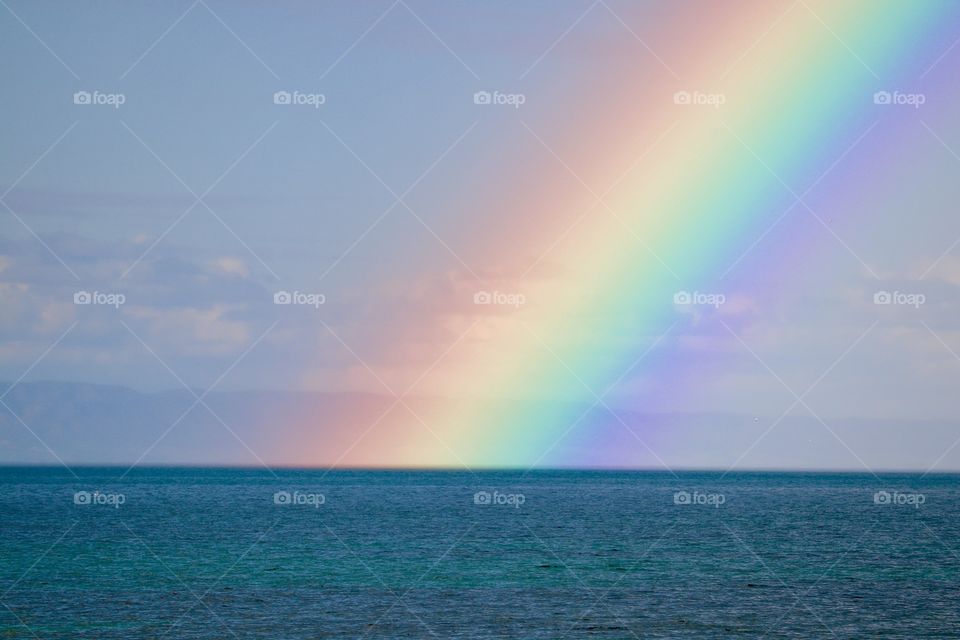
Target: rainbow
column 755, row 105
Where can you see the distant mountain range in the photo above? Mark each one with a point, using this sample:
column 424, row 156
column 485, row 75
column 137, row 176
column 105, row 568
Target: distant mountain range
column 82, row 423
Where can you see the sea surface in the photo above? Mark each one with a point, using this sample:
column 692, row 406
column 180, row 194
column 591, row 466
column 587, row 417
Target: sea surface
column 243, row 553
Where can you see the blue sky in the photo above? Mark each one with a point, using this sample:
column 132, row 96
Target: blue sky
column 289, row 198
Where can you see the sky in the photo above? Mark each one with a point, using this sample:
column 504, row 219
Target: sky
column 509, row 212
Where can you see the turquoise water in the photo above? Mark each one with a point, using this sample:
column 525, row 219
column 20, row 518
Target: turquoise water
column 222, row 553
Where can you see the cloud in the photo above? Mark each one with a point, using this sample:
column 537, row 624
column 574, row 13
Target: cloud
column 190, row 331
column 229, row 265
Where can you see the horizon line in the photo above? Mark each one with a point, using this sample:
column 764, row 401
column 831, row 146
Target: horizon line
column 486, row 469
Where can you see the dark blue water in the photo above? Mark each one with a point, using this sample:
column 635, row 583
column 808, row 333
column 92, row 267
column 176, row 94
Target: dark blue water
column 221, row 553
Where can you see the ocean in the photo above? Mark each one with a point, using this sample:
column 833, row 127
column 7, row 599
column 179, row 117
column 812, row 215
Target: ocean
column 245, row 553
